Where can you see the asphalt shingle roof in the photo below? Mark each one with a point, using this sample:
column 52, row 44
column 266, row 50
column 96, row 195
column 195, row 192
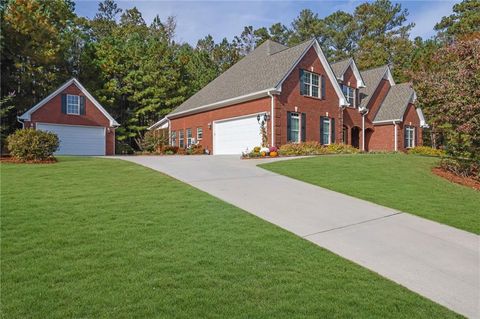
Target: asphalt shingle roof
column 262, row 69
column 372, row 79
column 340, row 67
column 395, row 103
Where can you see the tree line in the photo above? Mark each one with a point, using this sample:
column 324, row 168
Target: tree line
column 139, row 72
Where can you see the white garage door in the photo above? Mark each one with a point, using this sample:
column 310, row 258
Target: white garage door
column 77, row 140
column 236, row 135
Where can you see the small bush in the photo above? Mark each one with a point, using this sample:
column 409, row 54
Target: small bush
column 170, row 150
column 195, row 150
column 315, row 148
column 426, row 150
column 153, row 141
column 124, row 149
column 32, row 145
column 461, row 167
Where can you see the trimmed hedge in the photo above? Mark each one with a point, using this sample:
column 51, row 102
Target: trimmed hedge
column 32, row 145
column 426, row 150
column 315, row 148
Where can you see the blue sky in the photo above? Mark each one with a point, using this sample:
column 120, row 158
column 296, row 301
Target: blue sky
column 196, row 19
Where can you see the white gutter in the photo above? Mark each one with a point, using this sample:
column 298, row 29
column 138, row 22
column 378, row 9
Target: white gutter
column 272, row 117
column 227, row 102
column 395, row 137
column 19, row 121
column 363, row 130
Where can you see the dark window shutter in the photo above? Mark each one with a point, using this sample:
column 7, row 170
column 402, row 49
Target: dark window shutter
column 357, row 97
column 321, row 130
column 64, row 103
column 332, row 126
column 302, row 83
column 82, row 105
column 322, row 80
column 405, row 136
column 304, row 127
column 289, row 133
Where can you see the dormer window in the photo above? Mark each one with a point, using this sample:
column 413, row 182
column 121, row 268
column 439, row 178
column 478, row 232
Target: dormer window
column 73, row 104
column 349, row 93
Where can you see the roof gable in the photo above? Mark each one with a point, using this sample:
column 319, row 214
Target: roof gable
column 27, row 115
column 372, row 79
column 254, row 76
column 395, row 104
column 340, row 67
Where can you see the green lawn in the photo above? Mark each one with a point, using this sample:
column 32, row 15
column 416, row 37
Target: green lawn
column 99, row 238
column 403, row 182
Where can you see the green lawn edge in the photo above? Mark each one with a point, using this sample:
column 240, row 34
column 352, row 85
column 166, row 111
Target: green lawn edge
column 399, row 181
column 90, row 237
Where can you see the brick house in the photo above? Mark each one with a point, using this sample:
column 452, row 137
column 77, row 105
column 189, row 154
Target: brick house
column 83, row 126
column 301, row 97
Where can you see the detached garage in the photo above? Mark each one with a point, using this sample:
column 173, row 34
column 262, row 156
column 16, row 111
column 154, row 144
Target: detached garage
column 82, row 125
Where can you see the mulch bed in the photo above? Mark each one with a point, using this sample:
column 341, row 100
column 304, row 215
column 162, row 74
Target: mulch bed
column 8, row 159
column 465, row 181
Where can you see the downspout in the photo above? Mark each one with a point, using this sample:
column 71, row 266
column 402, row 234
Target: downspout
column 395, row 136
column 170, row 131
column 272, row 117
column 19, row 121
column 363, row 130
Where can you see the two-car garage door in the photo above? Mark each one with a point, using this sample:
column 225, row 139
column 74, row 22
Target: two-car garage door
column 234, row 136
column 77, row 140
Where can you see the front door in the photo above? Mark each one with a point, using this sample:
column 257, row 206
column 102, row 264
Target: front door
column 356, row 136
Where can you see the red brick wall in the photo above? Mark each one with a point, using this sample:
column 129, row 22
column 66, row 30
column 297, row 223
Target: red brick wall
column 411, row 119
column 349, row 78
column 377, row 98
column 382, row 139
column 202, row 119
column 313, row 107
column 51, row 112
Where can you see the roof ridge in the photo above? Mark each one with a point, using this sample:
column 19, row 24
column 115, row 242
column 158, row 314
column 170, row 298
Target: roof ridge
column 374, row 68
column 292, row 47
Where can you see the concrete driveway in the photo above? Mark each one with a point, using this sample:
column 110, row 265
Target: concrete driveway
column 434, row 260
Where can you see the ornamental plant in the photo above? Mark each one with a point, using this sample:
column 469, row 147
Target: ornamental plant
column 32, row 145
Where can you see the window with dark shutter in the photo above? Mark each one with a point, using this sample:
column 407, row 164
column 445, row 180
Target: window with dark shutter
column 304, row 127
column 332, row 124
column 323, row 93
column 82, row 105
column 64, row 103
column 289, row 134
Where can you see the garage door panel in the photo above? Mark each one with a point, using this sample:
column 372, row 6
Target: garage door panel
column 77, row 140
column 236, row 135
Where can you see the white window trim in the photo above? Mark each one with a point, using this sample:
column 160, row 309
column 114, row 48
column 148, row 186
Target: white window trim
column 299, row 130
column 329, row 130
column 181, row 137
column 412, row 140
column 189, row 138
column 199, row 138
column 173, row 138
column 78, row 104
column 310, row 84
column 354, row 95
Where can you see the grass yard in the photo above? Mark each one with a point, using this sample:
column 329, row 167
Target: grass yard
column 403, row 182
column 100, row 238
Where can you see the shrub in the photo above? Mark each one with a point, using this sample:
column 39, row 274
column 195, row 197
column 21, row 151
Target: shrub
column 315, row 148
column 32, row 145
column 273, row 149
column 153, row 141
column 170, row 150
column 124, row 148
column 426, row 150
column 195, row 150
column 461, row 167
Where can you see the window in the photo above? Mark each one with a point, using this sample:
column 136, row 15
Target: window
column 189, row 137
column 199, row 133
column 344, row 135
column 181, row 138
column 174, row 138
column 294, row 127
column 73, row 104
column 325, row 130
column 409, row 136
column 309, row 84
column 349, row 93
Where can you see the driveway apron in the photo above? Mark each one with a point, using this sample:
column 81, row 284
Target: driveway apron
column 434, row 260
